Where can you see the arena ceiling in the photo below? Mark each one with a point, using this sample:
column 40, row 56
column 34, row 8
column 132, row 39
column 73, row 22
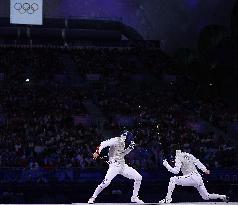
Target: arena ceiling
column 175, row 22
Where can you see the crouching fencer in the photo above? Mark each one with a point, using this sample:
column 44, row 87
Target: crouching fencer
column 117, row 165
column 187, row 163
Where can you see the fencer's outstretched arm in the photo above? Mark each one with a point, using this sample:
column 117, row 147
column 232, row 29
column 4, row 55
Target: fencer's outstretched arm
column 199, row 164
column 176, row 168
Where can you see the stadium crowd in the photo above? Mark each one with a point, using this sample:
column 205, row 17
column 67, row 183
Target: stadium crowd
column 37, row 126
column 38, row 64
column 161, row 122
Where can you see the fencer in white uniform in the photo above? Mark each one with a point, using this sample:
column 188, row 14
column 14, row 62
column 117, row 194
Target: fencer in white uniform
column 117, row 165
column 187, row 163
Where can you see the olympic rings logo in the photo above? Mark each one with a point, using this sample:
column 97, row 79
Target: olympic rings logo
column 26, row 8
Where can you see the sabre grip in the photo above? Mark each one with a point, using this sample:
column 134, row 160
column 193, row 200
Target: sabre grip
column 132, row 145
column 97, row 150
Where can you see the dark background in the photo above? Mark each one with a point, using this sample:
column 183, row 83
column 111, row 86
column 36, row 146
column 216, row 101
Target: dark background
column 175, row 22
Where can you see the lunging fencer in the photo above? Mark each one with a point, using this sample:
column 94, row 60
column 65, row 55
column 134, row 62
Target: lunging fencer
column 117, row 165
column 187, row 163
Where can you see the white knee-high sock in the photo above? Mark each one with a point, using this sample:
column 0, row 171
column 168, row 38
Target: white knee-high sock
column 100, row 187
column 171, row 188
column 136, row 189
column 216, row 196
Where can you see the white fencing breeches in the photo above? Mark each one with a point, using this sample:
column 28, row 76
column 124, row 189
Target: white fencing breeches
column 126, row 171
column 195, row 180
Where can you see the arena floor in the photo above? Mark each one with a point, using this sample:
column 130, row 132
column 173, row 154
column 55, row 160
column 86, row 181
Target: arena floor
column 182, row 203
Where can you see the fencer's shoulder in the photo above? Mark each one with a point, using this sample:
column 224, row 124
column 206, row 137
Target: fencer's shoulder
column 117, row 139
column 179, row 157
column 114, row 139
column 191, row 157
column 186, row 156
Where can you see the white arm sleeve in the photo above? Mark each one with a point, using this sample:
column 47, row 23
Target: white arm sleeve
column 107, row 143
column 199, row 164
column 126, row 151
column 176, row 168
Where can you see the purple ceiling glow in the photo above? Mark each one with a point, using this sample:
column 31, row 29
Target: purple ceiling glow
column 193, row 3
column 175, row 22
column 104, row 8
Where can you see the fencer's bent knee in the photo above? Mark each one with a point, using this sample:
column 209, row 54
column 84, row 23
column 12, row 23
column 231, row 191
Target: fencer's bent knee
column 205, row 196
column 105, row 183
column 173, row 180
column 138, row 177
